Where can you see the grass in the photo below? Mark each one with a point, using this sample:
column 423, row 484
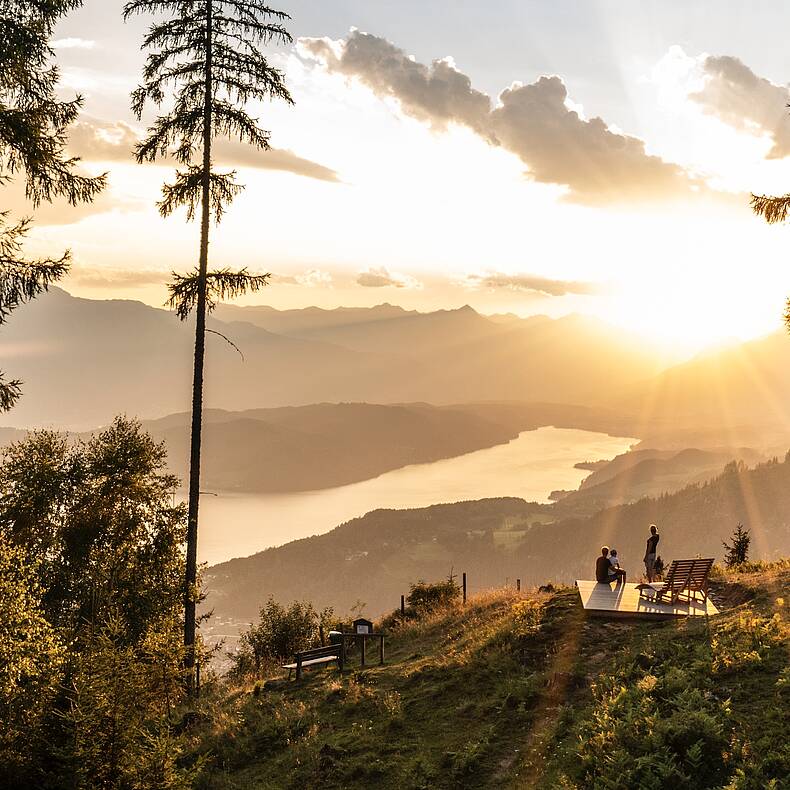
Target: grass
column 521, row 690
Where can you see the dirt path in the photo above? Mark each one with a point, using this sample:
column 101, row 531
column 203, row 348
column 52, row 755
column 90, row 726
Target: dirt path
column 554, row 695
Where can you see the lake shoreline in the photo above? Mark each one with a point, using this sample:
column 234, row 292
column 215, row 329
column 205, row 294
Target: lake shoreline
column 529, row 467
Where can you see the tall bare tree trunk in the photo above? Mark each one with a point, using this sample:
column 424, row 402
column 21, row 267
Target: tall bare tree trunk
column 197, row 381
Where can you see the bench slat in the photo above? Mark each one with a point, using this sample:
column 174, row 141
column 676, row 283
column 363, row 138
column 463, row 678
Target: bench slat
column 318, row 652
column 324, row 660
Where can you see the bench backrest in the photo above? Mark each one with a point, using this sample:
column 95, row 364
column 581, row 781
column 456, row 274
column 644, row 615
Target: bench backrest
column 320, row 652
column 688, row 574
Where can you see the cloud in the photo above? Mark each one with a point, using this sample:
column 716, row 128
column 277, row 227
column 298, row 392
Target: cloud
column 598, row 165
column 559, row 146
column 528, row 282
column 99, row 141
column 73, row 43
column 234, row 153
column 59, row 212
column 312, row 278
column 736, row 95
column 381, row 278
column 437, row 94
column 102, row 277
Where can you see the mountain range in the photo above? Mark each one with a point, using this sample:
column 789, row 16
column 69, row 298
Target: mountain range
column 137, row 359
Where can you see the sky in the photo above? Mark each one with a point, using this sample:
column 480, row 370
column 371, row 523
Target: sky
column 524, row 157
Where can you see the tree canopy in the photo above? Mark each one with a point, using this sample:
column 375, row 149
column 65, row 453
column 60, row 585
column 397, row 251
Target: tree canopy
column 33, row 136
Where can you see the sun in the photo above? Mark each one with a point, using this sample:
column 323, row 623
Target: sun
column 695, row 312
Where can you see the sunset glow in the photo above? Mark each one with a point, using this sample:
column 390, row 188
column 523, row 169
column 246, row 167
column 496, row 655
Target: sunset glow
column 453, row 208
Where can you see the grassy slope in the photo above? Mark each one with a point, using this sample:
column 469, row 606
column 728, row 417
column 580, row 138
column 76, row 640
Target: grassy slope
column 531, row 696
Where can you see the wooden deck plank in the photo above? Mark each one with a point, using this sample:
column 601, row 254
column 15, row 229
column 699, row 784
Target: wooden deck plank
column 624, row 600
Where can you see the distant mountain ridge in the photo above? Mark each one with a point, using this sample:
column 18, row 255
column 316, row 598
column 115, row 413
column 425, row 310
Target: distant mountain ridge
column 647, row 473
column 134, row 359
column 322, row 446
column 84, row 361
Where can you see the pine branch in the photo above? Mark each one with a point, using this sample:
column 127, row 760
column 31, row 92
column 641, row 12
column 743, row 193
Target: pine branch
column 772, row 209
column 221, row 285
column 227, row 340
column 21, row 280
column 10, row 391
column 187, row 191
column 33, row 121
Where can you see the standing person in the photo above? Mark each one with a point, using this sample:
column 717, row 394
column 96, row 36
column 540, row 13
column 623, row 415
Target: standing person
column 650, row 553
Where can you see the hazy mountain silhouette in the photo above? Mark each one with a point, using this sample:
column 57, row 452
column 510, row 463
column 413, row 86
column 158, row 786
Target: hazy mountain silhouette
column 84, row 361
column 379, row 329
column 743, row 391
column 642, row 473
column 307, row 319
column 325, row 445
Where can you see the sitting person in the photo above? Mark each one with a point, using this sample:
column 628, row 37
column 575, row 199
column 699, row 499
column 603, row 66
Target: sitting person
column 614, row 562
column 604, row 572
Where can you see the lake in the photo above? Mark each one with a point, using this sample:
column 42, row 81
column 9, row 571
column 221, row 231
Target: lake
column 531, row 467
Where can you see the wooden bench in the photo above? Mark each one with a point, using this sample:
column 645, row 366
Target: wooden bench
column 315, row 656
column 685, row 580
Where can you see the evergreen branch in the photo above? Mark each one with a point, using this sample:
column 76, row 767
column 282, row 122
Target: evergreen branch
column 151, row 7
column 33, row 121
column 221, row 285
column 227, row 340
column 10, row 391
column 21, row 280
column 772, row 209
column 187, row 190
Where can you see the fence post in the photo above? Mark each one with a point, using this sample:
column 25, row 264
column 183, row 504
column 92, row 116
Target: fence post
column 464, row 586
column 402, row 606
column 518, row 585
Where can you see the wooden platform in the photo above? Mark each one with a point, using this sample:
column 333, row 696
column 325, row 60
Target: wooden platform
column 624, row 600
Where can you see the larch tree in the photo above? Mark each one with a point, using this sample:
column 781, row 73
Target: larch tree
column 206, row 60
column 33, row 136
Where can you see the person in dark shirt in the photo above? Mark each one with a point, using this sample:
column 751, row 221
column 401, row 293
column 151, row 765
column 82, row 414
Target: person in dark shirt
column 650, row 553
column 602, row 566
column 604, row 572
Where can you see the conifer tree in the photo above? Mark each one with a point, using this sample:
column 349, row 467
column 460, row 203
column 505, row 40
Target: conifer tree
column 205, row 56
column 737, row 552
column 33, row 136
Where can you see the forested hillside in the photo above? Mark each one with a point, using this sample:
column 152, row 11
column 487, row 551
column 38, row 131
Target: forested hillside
column 521, row 690
column 373, row 558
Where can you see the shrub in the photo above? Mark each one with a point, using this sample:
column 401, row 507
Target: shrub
column 279, row 633
column 745, row 642
column 31, row 655
column 643, row 736
column 424, row 597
